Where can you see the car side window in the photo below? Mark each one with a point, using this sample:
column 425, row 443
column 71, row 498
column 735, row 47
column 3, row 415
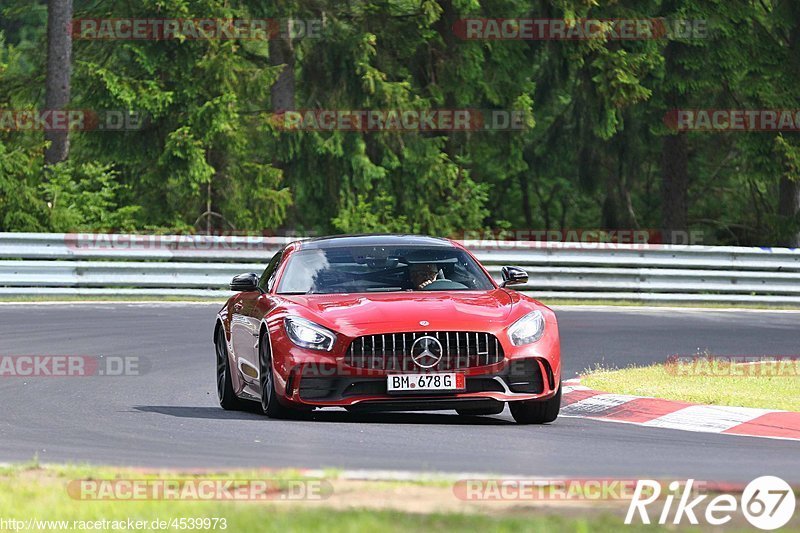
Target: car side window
column 268, row 277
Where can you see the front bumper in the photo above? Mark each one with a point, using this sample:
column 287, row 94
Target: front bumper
column 325, row 385
column 308, row 378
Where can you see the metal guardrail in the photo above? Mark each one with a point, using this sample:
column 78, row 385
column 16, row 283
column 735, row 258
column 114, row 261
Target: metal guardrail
column 202, row 266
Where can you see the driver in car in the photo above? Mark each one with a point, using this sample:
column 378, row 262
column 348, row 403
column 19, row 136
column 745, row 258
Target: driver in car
column 422, row 274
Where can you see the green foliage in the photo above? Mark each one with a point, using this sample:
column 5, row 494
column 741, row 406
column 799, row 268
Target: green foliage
column 84, row 197
column 21, row 205
column 208, row 157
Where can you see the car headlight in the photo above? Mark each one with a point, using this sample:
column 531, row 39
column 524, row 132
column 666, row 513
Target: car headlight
column 527, row 329
column 307, row 334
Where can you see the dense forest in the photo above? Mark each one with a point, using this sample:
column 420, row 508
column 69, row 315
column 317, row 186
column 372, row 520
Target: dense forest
column 597, row 151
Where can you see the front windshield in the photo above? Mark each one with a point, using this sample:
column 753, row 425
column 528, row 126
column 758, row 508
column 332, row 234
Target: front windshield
column 381, row 269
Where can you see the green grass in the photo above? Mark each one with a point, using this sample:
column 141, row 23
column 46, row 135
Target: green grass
column 718, row 388
column 32, row 492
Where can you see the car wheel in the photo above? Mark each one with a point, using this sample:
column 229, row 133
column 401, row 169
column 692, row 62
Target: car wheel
column 483, row 411
column 227, row 397
column 536, row 412
column 270, row 405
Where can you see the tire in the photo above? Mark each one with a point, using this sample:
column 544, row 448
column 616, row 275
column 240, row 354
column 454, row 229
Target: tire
column 483, row 411
column 227, row 397
column 270, row 405
column 536, row 412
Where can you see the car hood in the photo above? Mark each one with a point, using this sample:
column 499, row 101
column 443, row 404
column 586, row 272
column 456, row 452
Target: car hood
column 360, row 314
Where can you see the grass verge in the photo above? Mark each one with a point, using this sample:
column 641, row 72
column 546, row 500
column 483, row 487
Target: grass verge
column 30, row 492
column 706, row 381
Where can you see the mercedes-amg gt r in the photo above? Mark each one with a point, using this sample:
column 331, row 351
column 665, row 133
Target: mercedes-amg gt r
column 382, row 323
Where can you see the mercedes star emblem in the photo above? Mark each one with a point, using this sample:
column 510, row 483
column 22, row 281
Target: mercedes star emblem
column 426, row 352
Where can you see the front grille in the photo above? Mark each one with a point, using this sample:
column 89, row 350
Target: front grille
column 392, row 351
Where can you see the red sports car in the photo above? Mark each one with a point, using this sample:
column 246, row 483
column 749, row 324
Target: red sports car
column 386, row 323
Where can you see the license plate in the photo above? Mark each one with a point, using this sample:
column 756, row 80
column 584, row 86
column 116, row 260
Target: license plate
column 425, row 382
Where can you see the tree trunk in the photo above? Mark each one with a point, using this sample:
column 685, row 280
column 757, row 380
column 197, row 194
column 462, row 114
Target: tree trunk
column 788, row 209
column 674, row 187
column 282, row 92
column 609, row 213
column 674, row 166
column 526, row 200
column 281, row 52
column 447, row 58
column 674, row 153
column 789, row 188
column 59, row 67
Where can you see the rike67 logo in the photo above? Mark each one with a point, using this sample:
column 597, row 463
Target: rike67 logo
column 767, row 502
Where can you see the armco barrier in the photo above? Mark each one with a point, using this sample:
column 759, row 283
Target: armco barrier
column 202, row 266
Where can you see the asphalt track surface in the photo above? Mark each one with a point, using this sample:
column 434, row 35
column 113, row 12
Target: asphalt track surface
column 169, row 417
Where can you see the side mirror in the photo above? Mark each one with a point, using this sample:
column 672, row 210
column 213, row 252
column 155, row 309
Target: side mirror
column 245, row 282
column 513, row 276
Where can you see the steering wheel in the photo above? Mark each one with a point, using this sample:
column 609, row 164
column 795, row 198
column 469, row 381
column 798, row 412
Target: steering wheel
column 443, row 285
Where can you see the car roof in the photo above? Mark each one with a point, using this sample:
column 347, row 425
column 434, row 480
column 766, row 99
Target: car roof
column 341, row 241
